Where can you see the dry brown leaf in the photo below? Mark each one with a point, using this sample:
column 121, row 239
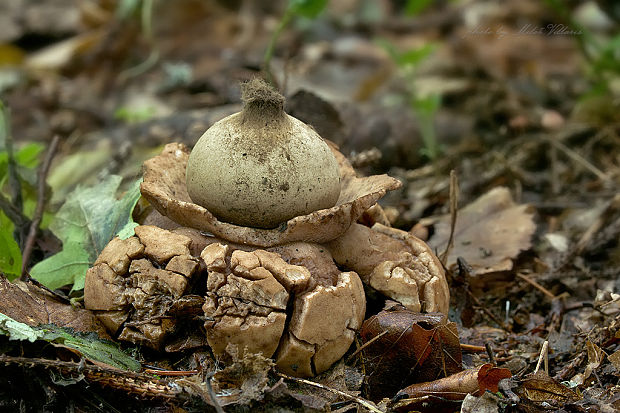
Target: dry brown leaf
column 32, row 305
column 413, row 347
column 489, row 233
column 595, row 358
column 539, row 388
column 487, row 403
column 455, row 387
column 614, row 358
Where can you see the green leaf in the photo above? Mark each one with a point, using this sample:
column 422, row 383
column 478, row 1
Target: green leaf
column 427, row 106
column 307, row 8
column 10, row 254
column 408, row 58
column 18, row 331
column 69, row 266
column 88, row 344
column 77, row 168
column 28, row 155
column 91, row 346
column 414, row 57
column 89, row 219
column 415, row 7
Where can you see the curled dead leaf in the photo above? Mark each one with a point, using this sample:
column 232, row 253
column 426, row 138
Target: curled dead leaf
column 539, row 388
column 30, row 304
column 409, row 347
column 452, row 388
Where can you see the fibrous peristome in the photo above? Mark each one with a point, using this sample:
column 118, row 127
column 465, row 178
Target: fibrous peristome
column 261, row 166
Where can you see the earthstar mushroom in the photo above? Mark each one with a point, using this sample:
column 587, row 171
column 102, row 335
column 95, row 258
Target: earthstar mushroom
column 290, row 288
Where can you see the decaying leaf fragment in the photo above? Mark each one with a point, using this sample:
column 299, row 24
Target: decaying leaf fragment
column 30, row 304
column 596, row 355
column 135, row 282
column 489, row 233
column 540, row 388
column 412, row 348
column 452, row 388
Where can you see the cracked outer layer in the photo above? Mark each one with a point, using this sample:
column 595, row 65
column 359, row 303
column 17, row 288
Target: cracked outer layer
column 395, row 263
column 250, row 293
column 134, row 283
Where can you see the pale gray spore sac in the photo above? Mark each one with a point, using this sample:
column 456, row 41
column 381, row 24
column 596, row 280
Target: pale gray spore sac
column 261, row 167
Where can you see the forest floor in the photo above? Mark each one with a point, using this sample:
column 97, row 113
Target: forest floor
column 501, row 119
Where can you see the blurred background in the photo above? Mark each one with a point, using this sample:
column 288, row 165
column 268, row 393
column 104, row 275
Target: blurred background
column 522, row 96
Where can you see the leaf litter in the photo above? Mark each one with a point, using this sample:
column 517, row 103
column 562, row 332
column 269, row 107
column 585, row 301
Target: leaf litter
column 517, row 112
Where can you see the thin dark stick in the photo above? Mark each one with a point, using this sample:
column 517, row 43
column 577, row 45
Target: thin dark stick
column 454, row 190
column 38, row 212
column 15, row 185
column 486, row 310
column 12, row 212
column 366, row 344
column 365, row 403
column 490, row 353
column 212, row 395
column 471, row 348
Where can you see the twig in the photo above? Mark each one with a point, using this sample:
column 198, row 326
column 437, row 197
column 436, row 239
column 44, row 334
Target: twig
column 130, row 382
column 366, row 344
column 359, row 400
column 543, row 355
column 454, row 189
column 490, row 353
column 38, row 212
column 14, row 184
column 579, row 159
column 472, row 348
column 15, row 215
column 171, row 373
column 486, row 311
column 537, row 286
column 212, row 396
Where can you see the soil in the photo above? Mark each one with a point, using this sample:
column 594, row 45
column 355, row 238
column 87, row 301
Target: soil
column 502, row 121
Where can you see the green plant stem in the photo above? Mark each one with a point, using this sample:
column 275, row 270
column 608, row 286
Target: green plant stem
column 38, row 213
column 427, row 127
column 146, row 19
column 286, row 19
column 15, row 187
column 13, row 213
